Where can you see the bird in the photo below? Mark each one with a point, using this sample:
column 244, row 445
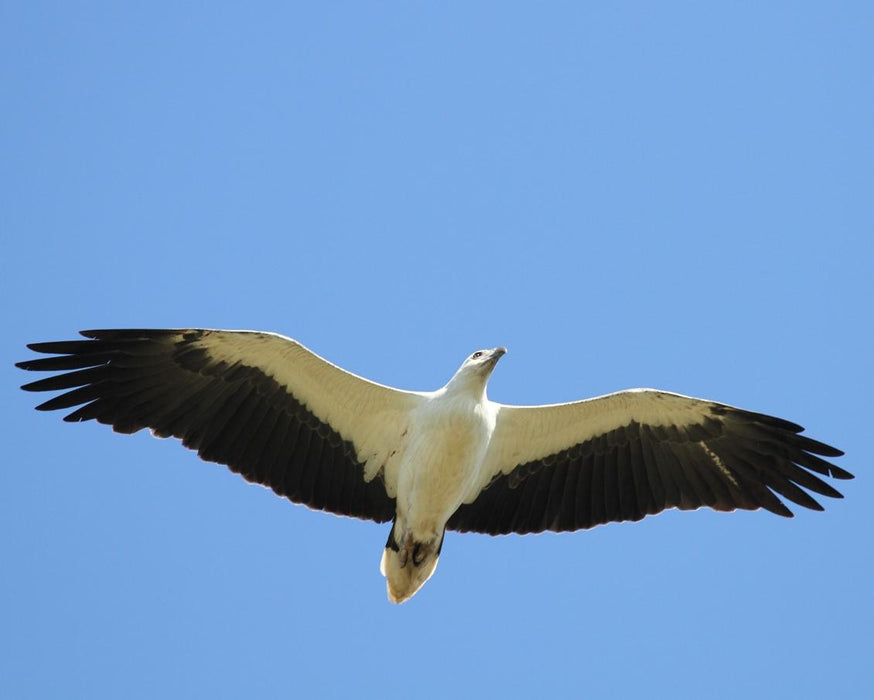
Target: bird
column 429, row 461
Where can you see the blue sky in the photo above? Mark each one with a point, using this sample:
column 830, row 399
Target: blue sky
column 674, row 195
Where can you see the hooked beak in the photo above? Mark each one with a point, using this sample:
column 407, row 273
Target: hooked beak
column 497, row 354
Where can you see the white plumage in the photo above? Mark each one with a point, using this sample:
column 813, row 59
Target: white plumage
column 283, row 417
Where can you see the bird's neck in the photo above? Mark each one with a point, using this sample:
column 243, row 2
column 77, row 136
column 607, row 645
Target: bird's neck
column 467, row 385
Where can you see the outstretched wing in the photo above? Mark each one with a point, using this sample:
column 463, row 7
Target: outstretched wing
column 260, row 403
column 635, row 453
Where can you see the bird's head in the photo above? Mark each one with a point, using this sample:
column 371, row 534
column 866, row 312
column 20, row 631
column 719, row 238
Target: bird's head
column 475, row 371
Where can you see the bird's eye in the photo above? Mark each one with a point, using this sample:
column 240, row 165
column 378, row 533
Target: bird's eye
column 478, row 354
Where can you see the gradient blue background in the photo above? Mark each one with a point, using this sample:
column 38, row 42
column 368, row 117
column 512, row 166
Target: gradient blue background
column 676, row 195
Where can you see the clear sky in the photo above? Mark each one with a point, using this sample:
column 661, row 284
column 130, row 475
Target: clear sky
column 675, row 195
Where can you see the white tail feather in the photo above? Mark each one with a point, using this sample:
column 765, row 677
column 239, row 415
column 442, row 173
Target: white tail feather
column 403, row 581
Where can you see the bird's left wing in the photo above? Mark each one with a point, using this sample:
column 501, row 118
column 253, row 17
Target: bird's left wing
column 260, row 403
column 634, row 453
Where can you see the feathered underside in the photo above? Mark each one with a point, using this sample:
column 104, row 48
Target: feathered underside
column 641, row 452
column 237, row 398
column 280, row 416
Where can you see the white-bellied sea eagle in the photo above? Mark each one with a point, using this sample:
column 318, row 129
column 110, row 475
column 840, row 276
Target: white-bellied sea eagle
column 279, row 415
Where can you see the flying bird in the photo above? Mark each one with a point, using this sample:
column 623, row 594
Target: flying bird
column 281, row 416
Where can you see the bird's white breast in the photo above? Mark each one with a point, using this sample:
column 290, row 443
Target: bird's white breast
column 448, row 438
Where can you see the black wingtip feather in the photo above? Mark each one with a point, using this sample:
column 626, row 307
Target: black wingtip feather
column 54, row 346
column 761, row 418
column 838, row 473
column 815, row 446
column 777, row 507
column 128, row 333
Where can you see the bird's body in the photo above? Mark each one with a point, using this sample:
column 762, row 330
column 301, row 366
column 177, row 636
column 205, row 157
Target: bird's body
column 283, row 417
column 442, row 456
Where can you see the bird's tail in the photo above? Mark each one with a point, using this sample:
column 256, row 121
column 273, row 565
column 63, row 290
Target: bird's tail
column 408, row 564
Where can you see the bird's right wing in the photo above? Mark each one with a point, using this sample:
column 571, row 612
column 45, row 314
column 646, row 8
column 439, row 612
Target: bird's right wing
column 260, row 403
column 634, row 453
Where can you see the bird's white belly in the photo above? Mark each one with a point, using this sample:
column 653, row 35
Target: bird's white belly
column 445, row 449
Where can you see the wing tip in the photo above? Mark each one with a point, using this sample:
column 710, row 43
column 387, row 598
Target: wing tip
column 128, row 333
column 756, row 417
column 838, row 473
column 45, row 348
column 818, row 448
